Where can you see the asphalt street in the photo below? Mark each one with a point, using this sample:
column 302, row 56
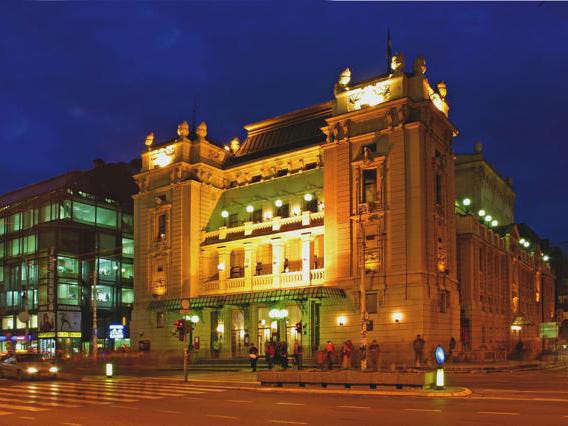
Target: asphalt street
column 521, row 398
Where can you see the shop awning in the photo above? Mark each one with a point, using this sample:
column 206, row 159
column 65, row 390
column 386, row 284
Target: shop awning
column 270, row 296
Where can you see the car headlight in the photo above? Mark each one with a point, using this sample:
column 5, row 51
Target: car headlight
column 32, row 370
column 53, row 370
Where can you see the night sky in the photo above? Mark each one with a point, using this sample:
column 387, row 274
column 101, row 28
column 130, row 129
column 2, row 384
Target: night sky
column 82, row 80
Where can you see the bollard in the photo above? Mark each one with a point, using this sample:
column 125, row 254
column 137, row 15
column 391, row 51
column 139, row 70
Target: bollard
column 108, row 368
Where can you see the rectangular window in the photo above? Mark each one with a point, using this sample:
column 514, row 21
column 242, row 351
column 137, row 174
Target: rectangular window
column 372, row 303
column 107, row 243
column 1, row 249
column 107, row 269
column 29, row 218
column 127, row 296
column 8, row 323
column 15, row 222
column 127, row 272
column 30, row 244
column 369, row 192
column 68, row 293
column 14, row 247
column 13, row 298
column 312, row 205
column 67, row 266
column 65, row 210
column 444, row 301
column 2, row 226
column 128, row 247
column 84, row 213
column 283, row 210
column 106, row 217
column 105, row 296
column 127, row 223
column 438, row 189
column 162, row 227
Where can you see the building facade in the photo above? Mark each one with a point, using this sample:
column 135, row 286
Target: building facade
column 506, row 282
column 278, row 237
column 59, row 240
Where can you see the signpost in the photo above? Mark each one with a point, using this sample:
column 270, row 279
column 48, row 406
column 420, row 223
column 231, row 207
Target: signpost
column 185, row 306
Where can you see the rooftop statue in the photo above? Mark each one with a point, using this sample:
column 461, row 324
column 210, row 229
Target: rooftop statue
column 183, row 130
column 419, row 66
column 345, row 77
column 235, row 145
column 442, row 89
column 149, row 140
column 397, row 63
column 201, row 131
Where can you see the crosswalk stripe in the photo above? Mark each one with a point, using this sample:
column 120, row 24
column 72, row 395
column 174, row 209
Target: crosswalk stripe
column 21, row 408
column 182, row 387
column 81, row 394
column 34, row 401
column 108, row 391
column 166, row 391
column 51, row 395
column 3, row 413
column 139, row 393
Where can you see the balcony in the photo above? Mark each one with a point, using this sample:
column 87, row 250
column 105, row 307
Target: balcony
column 263, row 282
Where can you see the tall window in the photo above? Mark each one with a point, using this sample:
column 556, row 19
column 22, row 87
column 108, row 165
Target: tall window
column 438, row 189
column 83, row 212
column 444, row 301
column 369, row 190
column 127, row 247
column 106, row 217
column 162, row 227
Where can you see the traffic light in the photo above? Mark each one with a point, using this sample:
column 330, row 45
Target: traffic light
column 180, row 328
column 299, row 327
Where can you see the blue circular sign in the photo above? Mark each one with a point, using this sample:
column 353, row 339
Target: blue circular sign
column 440, row 355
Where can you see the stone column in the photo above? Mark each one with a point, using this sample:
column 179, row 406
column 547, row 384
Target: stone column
column 277, row 260
column 224, row 267
column 250, row 264
column 306, row 257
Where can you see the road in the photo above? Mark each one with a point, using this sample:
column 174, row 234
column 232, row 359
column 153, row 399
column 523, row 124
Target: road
column 523, row 398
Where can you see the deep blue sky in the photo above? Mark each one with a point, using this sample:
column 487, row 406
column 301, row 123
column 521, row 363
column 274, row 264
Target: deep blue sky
column 84, row 80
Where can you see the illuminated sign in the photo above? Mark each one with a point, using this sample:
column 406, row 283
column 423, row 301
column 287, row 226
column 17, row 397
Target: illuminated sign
column 116, row 331
column 440, row 355
column 47, row 335
column 163, row 156
column 14, row 338
column 76, row 334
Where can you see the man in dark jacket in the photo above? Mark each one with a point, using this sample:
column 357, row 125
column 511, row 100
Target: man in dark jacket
column 253, row 356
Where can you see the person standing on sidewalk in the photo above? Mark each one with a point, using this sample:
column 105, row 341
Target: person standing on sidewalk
column 375, row 352
column 253, row 356
column 329, row 349
column 451, row 348
column 346, row 352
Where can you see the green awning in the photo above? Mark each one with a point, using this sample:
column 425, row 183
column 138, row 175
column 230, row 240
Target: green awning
column 270, row 296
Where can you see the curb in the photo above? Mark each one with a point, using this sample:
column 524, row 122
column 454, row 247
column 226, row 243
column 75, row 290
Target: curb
column 462, row 392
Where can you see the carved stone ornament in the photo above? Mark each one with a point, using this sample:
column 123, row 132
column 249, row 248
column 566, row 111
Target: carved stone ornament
column 344, row 77
column 183, row 130
column 442, row 89
column 369, row 96
column 397, row 63
column 235, row 145
column 419, row 66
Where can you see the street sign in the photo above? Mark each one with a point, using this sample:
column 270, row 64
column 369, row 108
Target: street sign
column 440, row 355
column 184, row 304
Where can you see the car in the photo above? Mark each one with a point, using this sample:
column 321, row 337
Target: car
column 27, row 366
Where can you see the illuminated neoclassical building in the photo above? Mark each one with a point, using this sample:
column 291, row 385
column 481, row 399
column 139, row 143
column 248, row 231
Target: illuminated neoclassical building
column 271, row 237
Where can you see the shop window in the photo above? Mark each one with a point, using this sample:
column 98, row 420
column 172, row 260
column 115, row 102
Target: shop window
column 30, row 244
column 105, row 296
column 68, row 293
column 369, row 190
column 127, row 296
column 107, row 269
column 127, row 222
column 83, row 212
column 160, row 319
column 127, row 272
column 14, row 247
column 31, row 298
column 8, row 322
column 67, row 266
column 13, row 298
column 372, row 303
column 106, row 217
column 128, row 247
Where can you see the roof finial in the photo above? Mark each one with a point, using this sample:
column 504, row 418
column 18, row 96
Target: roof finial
column 389, row 51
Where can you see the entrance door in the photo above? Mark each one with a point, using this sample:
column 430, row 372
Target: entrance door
column 237, row 334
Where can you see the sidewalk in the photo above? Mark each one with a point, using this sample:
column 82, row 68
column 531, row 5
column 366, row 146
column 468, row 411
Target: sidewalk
column 493, row 367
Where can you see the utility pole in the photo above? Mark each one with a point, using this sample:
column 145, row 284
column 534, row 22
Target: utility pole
column 94, row 305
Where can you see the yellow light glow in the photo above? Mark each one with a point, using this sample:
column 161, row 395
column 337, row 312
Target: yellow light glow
column 466, row 201
column 397, row 316
column 308, row 197
column 220, row 328
column 440, row 379
column 225, row 214
column 221, row 266
column 341, row 320
column 268, row 214
column 437, row 101
column 369, row 96
column 516, row 328
column 278, row 203
column 194, row 319
column 296, row 211
column 163, row 156
column 250, row 208
column 108, row 368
